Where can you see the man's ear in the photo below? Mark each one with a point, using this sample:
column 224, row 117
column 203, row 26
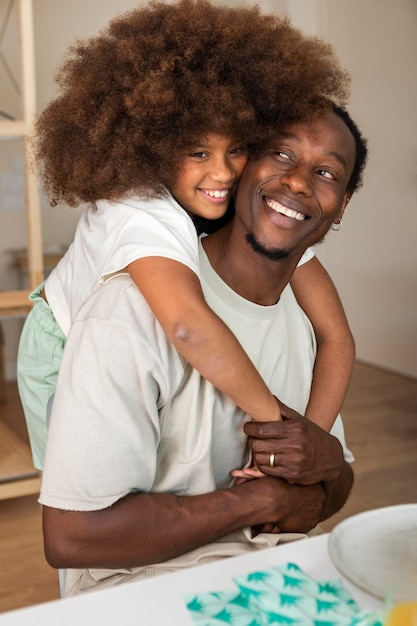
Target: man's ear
column 346, row 200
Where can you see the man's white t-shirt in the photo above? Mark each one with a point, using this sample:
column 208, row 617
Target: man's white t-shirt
column 131, row 415
column 141, row 400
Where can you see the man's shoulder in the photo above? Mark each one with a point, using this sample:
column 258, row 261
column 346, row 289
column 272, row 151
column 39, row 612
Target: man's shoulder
column 117, row 298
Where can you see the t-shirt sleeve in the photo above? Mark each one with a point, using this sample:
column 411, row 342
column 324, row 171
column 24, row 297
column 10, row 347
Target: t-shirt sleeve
column 154, row 228
column 307, row 256
column 105, row 427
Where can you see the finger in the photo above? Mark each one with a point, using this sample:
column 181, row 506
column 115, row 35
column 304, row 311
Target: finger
column 267, row 528
column 264, row 430
column 273, row 465
column 248, row 472
column 267, row 459
column 238, row 473
column 254, row 472
column 285, row 410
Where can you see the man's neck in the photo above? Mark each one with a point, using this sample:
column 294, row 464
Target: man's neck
column 248, row 273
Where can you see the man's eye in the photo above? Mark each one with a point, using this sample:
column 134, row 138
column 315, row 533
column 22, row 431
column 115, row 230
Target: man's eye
column 279, row 154
column 326, row 174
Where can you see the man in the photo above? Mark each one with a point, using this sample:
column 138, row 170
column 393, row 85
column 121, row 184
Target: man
column 141, row 448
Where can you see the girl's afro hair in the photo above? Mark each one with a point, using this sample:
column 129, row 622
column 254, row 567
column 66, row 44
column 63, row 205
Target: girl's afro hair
column 133, row 99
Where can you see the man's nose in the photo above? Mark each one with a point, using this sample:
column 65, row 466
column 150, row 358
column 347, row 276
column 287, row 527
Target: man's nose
column 298, row 179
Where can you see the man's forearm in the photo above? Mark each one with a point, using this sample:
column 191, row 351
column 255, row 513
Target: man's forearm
column 141, row 528
column 137, row 530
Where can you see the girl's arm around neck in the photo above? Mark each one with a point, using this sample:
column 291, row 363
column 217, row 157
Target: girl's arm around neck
column 173, row 292
column 318, row 297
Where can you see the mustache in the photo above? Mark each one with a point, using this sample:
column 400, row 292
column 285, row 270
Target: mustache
column 273, row 254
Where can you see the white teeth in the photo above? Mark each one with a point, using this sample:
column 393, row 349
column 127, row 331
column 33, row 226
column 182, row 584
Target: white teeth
column 279, row 208
column 217, row 194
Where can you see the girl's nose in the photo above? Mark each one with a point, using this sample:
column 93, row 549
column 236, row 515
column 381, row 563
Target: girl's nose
column 223, row 171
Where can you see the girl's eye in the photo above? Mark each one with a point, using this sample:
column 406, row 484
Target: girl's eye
column 199, row 154
column 238, row 151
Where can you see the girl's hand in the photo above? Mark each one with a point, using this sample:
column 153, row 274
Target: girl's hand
column 248, row 473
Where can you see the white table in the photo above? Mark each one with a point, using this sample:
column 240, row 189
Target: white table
column 159, row 601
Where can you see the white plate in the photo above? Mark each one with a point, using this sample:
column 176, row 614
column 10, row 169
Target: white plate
column 377, row 551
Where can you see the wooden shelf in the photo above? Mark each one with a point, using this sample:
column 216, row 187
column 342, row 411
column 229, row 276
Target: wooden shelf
column 14, row 303
column 17, row 474
column 11, row 312
column 21, row 128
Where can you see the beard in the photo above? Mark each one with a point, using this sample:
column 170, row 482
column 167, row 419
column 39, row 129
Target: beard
column 273, row 254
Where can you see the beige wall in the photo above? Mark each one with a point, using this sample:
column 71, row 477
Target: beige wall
column 377, row 264
column 373, row 259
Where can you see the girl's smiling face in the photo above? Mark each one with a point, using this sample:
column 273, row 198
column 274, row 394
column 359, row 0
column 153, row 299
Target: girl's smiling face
column 208, row 176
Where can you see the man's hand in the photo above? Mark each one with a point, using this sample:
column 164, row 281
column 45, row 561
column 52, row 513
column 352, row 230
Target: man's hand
column 303, row 452
column 283, row 507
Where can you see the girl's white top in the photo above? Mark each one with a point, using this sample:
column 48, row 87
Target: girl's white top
column 110, row 236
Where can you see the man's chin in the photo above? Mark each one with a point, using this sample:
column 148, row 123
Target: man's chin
column 273, row 254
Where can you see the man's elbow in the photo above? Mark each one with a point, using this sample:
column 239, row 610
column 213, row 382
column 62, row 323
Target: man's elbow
column 53, row 555
column 60, row 550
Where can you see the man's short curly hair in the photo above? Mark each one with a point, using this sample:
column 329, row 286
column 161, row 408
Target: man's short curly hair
column 361, row 145
column 131, row 100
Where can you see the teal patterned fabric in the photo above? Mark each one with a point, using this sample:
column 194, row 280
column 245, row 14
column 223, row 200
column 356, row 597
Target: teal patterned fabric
column 280, row 595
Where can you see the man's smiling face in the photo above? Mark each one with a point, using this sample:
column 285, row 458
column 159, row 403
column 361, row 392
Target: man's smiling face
column 290, row 195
